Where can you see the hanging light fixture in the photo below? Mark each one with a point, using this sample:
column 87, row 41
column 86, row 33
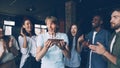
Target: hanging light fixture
column 30, row 9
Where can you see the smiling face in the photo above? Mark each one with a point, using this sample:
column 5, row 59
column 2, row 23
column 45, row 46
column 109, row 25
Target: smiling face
column 51, row 25
column 74, row 30
column 27, row 25
column 115, row 20
column 96, row 22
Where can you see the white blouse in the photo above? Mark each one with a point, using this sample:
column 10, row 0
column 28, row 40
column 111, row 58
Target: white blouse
column 8, row 55
column 31, row 43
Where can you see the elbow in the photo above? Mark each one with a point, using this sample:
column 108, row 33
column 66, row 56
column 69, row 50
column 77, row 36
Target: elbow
column 37, row 58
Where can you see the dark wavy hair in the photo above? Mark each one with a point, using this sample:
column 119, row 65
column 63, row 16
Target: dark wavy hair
column 70, row 37
column 25, row 32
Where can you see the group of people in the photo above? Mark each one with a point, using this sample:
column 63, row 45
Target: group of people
column 54, row 49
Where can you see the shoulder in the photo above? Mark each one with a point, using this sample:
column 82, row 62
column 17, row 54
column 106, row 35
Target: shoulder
column 105, row 31
column 44, row 34
column 62, row 34
column 90, row 33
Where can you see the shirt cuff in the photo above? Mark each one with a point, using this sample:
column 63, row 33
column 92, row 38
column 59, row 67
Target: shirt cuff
column 24, row 50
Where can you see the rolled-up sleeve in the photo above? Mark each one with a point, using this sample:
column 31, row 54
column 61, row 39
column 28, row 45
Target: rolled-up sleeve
column 15, row 43
column 66, row 39
column 21, row 41
column 40, row 40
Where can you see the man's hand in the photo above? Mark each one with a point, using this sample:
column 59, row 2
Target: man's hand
column 61, row 45
column 48, row 44
column 99, row 48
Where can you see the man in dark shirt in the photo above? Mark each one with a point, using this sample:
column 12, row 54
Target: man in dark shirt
column 114, row 54
column 98, row 34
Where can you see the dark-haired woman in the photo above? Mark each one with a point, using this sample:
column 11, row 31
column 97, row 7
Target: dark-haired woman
column 75, row 39
column 27, row 42
column 8, row 50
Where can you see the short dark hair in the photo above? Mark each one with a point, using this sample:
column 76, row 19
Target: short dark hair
column 26, row 18
column 114, row 9
column 100, row 16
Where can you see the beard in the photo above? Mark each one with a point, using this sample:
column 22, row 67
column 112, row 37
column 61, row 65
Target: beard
column 116, row 26
column 95, row 25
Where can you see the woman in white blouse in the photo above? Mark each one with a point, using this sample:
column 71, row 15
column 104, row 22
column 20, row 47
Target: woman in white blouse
column 27, row 42
column 8, row 50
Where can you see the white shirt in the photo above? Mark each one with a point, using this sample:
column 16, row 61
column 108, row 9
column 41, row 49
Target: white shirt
column 93, row 41
column 31, row 43
column 54, row 56
column 112, row 42
column 8, row 55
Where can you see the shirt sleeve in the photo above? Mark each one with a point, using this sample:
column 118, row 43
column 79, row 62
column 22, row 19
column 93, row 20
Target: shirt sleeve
column 15, row 43
column 40, row 40
column 66, row 39
column 23, row 50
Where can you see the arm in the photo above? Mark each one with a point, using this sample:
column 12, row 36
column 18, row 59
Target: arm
column 25, row 42
column 12, row 47
column 66, row 51
column 110, row 57
column 63, row 45
column 102, row 51
column 41, row 51
column 79, row 42
column 24, row 38
column 2, row 50
column 23, row 45
column 78, row 47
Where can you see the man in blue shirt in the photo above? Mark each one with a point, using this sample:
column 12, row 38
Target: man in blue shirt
column 98, row 34
column 49, row 50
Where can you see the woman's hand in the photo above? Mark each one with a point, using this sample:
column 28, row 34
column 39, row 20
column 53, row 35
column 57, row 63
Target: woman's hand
column 81, row 38
column 22, row 32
